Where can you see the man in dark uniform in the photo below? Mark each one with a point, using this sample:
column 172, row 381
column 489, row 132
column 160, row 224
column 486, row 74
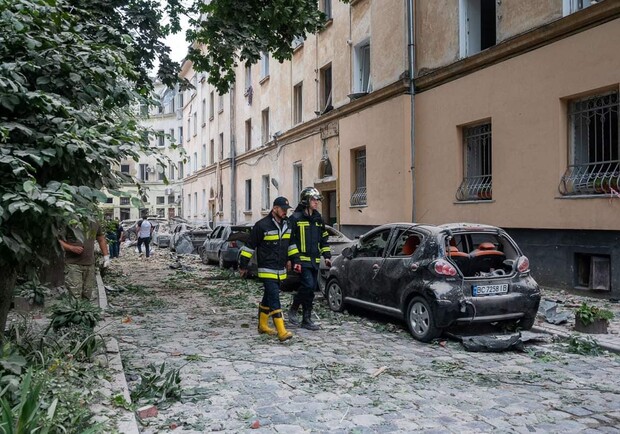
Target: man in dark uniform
column 270, row 236
column 308, row 244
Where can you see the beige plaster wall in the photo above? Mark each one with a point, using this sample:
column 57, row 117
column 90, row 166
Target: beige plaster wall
column 525, row 99
column 384, row 130
column 436, row 34
column 518, row 16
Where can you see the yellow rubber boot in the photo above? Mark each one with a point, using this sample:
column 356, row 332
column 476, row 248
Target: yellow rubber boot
column 263, row 320
column 283, row 334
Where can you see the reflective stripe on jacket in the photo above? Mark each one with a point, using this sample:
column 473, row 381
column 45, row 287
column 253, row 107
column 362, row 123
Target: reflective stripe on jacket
column 308, row 238
column 270, row 242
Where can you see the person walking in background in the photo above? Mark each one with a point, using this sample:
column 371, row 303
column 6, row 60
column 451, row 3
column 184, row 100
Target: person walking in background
column 111, row 236
column 79, row 246
column 269, row 239
column 145, row 232
column 309, row 241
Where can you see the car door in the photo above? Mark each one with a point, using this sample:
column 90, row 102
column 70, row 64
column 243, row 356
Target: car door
column 211, row 252
column 399, row 268
column 366, row 261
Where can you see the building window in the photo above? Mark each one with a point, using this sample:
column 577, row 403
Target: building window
column 248, row 134
column 594, row 147
column 477, row 26
column 298, row 41
column 248, row 78
column 358, row 198
column 189, row 206
column 326, row 89
column 144, row 174
column 180, row 136
column 221, row 200
column 204, row 201
column 195, row 204
column 592, row 272
column 170, row 199
column 265, row 126
column 203, row 156
column 161, row 172
column 180, row 170
column 326, row 8
column 171, row 172
column 212, row 151
column 160, row 200
column 220, row 103
column 171, row 133
column 265, row 203
column 298, row 103
column 195, row 123
column 211, row 105
column 109, row 200
column 248, row 195
column 298, row 180
column 477, row 159
column 181, row 103
column 161, row 137
column 160, row 212
column 571, row 6
column 221, row 146
column 362, row 82
column 204, row 112
column 124, row 201
column 125, row 169
column 195, row 168
column 189, row 127
column 264, row 65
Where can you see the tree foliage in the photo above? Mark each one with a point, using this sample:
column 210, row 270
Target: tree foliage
column 238, row 31
column 72, row 74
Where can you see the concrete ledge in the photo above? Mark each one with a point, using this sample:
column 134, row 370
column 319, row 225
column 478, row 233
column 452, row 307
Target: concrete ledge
column 559, row 331
column 126, row 423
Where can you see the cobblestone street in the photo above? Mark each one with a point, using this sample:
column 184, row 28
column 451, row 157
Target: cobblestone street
column 359, row 374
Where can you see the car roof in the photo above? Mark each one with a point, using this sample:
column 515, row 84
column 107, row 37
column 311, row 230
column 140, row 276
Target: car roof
column 433, row 229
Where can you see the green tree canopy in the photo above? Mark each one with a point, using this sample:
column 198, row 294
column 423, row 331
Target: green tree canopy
column 72, row 74
column 235, row 31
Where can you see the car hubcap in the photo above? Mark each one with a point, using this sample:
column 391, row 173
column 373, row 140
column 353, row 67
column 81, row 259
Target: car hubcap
column 419, row 319
column 335, row 296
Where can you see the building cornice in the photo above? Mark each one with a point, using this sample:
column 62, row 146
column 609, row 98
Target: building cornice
column 577, row 22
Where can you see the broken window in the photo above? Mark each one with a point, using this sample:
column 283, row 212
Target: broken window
column 593, row 271
column 373, row 246
column 477, row 26
column 358, row 198
column 326, row 89
column 362, row 82
column 477, row 159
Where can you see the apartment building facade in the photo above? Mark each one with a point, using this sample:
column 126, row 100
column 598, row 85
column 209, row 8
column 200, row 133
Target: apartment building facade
column 159, row 177
column 513, row 121
column 517, row 126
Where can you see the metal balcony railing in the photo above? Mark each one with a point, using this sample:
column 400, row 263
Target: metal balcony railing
column 475, row 188
column 359, row 197
column 592, row 178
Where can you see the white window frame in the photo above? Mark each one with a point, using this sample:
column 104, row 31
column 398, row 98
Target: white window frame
column 362, row 76
column 248, row 78
column 211, row 105
column 298, row 179
column 221, row 147
column 203, row 157
column 572, row 6
column 248, row 195
column 264, row 65
column 298, row 103
column 265, row 199
column 265, row 126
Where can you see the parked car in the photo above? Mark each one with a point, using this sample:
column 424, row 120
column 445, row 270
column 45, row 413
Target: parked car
column 161, row 235
column 131, row 232
column 222, row 246
column 188, row 237
column 336, row 240
column 436, row 276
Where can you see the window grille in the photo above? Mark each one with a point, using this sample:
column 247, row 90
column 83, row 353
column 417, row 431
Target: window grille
column 358, row 198
column 594, row 146
column 477, row 158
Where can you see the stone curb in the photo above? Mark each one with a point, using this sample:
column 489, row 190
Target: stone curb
column 609, row 346
column 127, row 424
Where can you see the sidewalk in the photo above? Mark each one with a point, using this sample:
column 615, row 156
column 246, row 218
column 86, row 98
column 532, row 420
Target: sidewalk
column 569, row 302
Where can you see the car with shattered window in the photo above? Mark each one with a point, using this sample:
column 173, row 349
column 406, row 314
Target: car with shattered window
column 131, row 232
column 433, row 277
column 337, row 242
column 161, row 235
column 188, row 237
column 223, row 245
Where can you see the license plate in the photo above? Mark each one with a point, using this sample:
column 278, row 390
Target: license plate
column 478, row 290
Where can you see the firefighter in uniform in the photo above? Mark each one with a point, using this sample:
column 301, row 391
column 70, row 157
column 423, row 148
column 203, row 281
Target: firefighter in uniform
column 270, row 236
column 308, row 244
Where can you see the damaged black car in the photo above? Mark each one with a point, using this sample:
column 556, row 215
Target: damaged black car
column 434, row 277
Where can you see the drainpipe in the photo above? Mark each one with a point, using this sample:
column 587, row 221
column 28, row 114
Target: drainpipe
column 411, row 61
column 233, row 160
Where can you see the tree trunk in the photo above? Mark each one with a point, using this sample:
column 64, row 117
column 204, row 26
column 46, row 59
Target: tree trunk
column 7, row 285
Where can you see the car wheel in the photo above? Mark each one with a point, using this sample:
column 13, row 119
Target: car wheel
column 527, row 322
column 421, row 320
column 335, row 296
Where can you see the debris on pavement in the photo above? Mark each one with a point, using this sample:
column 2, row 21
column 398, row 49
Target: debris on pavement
column 147, row 411
column 493, row 343
column 548, row 310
